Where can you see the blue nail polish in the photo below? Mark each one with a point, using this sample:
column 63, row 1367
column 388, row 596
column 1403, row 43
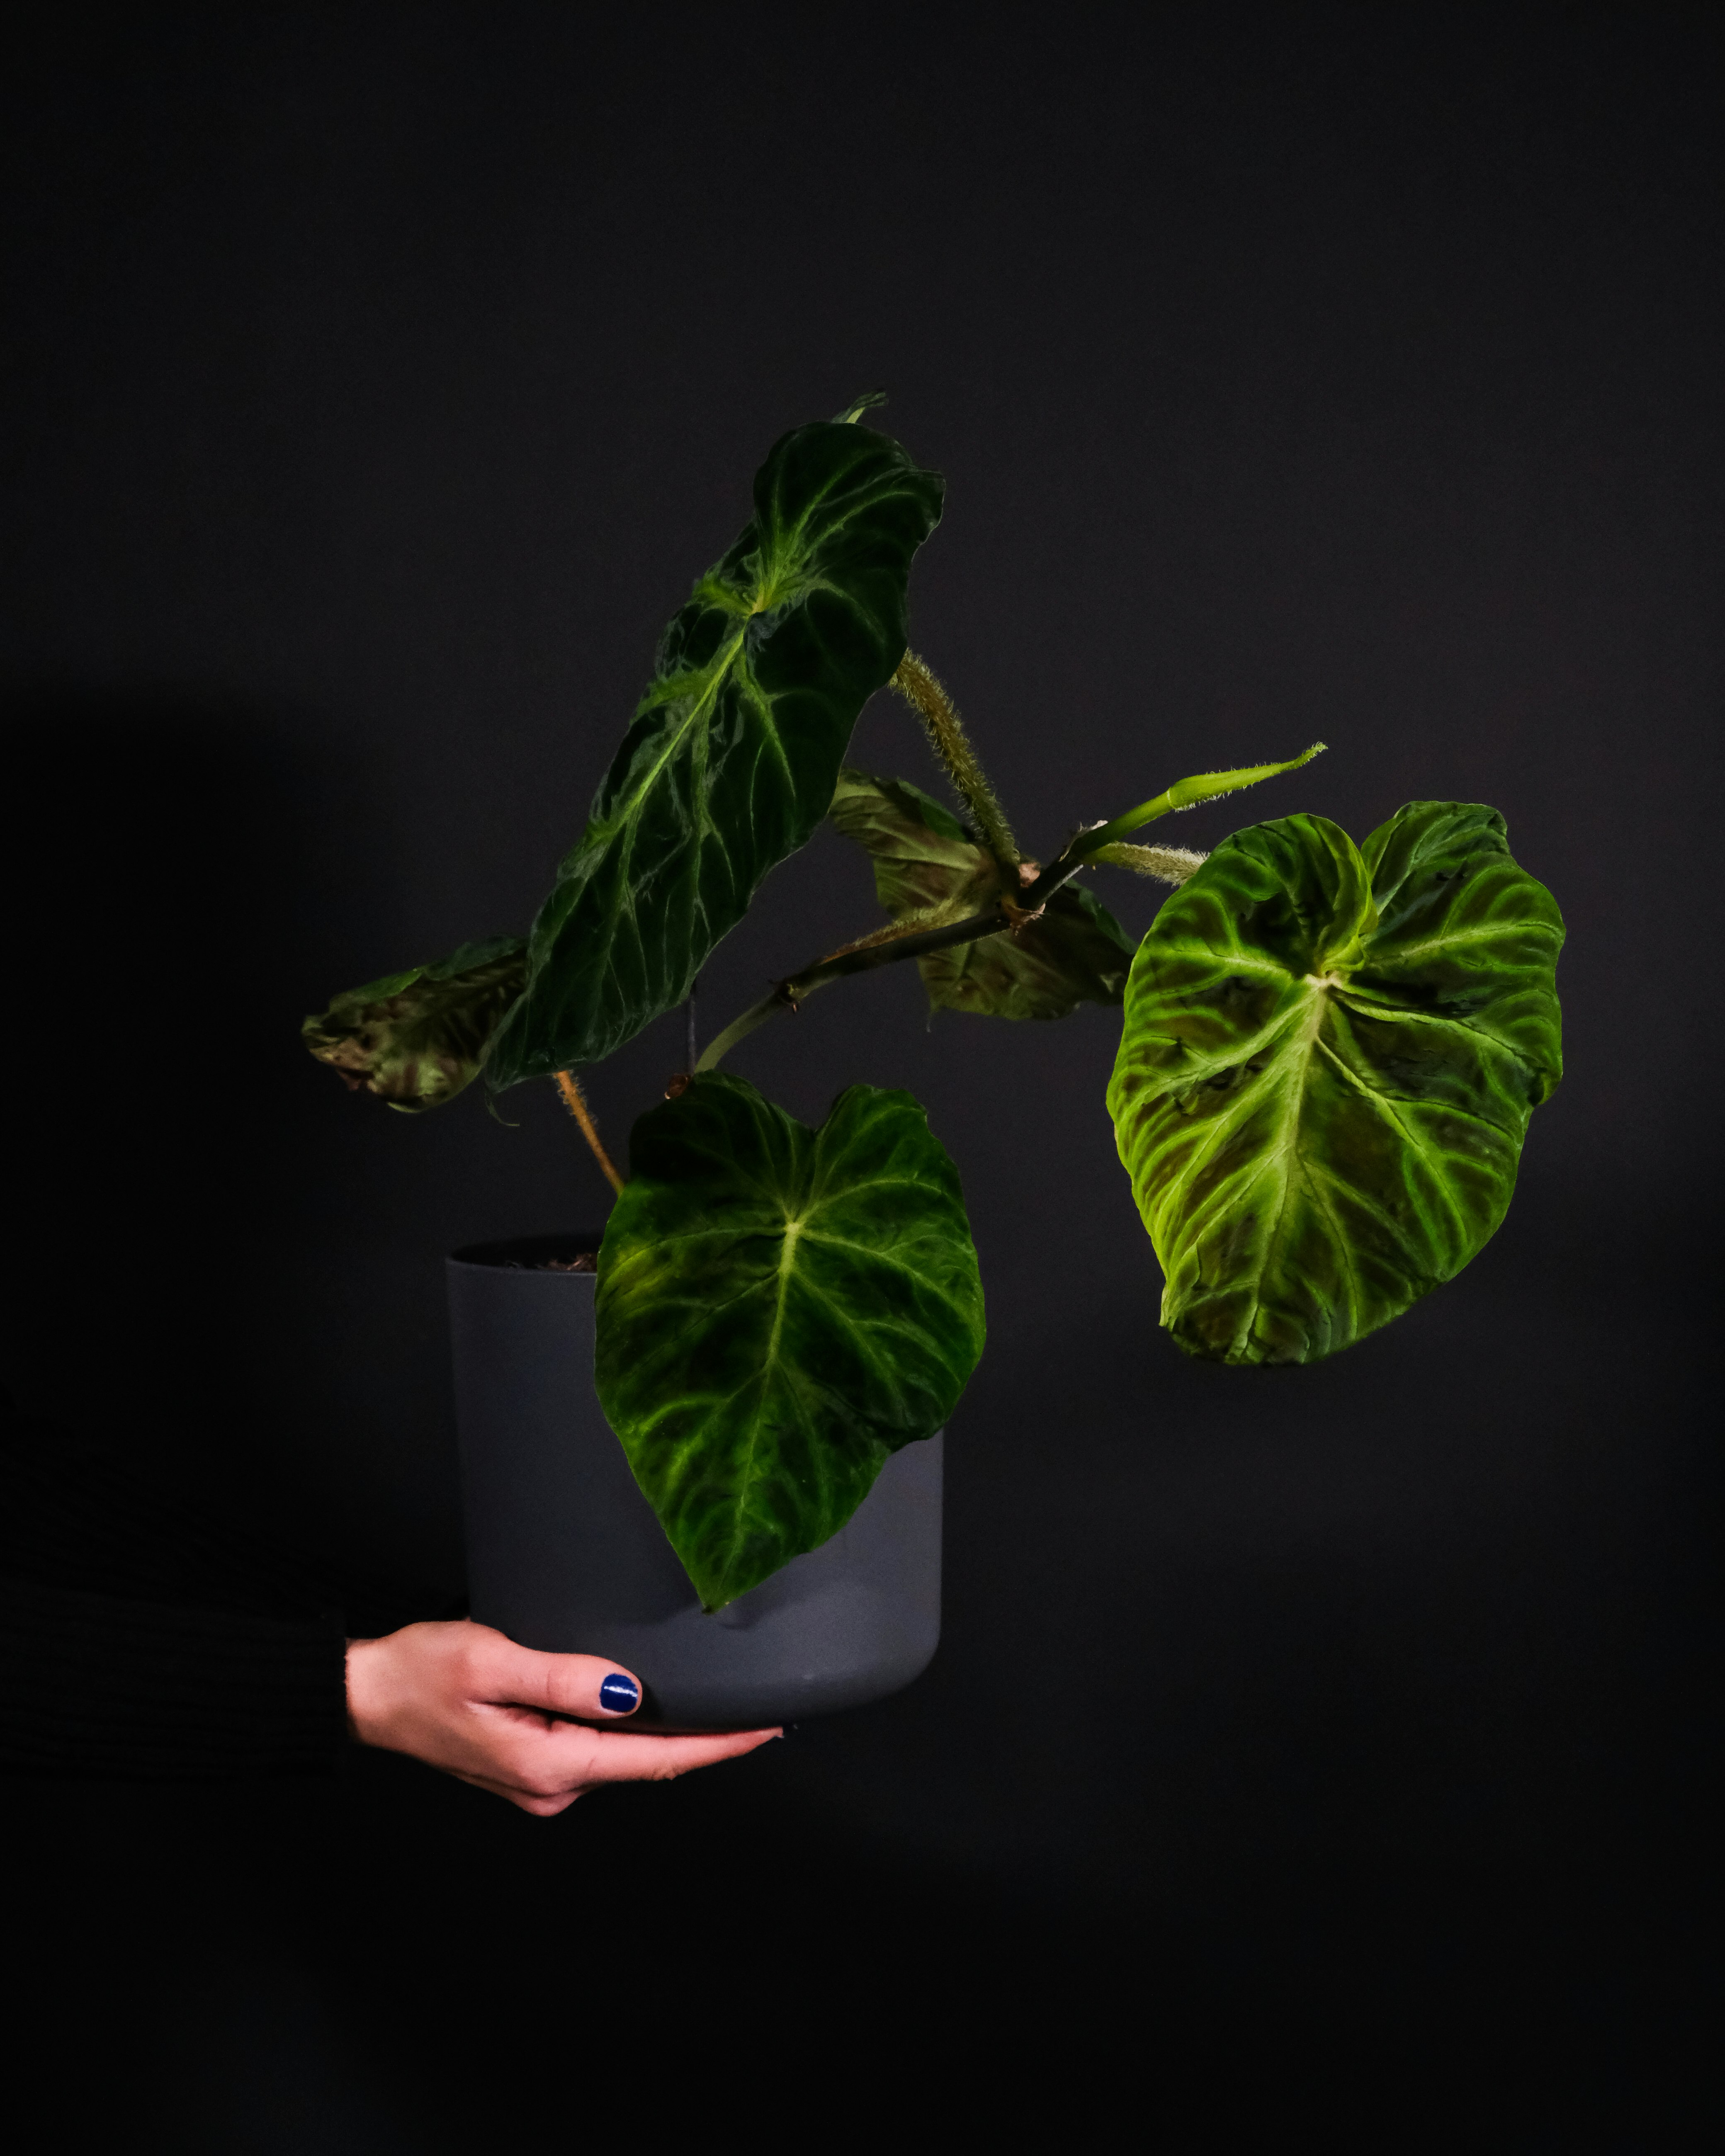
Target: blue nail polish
column 618, row 1694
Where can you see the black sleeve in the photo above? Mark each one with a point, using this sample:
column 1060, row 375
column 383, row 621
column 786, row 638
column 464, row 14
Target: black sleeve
column 145, row 1634
column 97, row 1686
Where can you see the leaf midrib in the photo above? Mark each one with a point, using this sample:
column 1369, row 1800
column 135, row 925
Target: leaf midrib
column 1300, row 1060
column 717, row 667
column 746, row 1477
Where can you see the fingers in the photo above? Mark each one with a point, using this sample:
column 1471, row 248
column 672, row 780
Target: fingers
column 543, row 1771
column 464, row 1698
column 616, row 1755
column 586, row 1685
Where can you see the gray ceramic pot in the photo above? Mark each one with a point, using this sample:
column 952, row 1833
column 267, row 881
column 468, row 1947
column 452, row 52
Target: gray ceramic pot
column 564, row 1553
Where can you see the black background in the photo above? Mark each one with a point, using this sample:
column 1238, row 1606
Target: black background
column 377, row 379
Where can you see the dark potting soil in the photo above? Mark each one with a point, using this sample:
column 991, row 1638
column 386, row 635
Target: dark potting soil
column 571, row 1252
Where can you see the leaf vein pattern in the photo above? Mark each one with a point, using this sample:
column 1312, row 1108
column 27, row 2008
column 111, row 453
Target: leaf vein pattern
column 1309, row 1176
column 1285, row 1154
column 1386, row 1103
column 710, row 680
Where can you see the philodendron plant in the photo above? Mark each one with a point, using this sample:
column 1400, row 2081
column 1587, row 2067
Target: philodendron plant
column 1329, row 1051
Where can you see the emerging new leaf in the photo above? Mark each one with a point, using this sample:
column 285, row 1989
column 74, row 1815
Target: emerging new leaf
column 779, row 1310
column 416, row 1038
column 732, row 759
column 1328, row 1060
column 930, row 871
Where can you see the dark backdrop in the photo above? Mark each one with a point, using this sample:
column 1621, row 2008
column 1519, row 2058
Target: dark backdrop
column 377, row 379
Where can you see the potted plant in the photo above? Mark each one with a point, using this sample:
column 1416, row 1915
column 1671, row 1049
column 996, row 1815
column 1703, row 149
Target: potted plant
column 706, row 1440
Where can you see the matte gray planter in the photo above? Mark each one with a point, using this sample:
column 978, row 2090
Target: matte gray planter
column 564, row 1553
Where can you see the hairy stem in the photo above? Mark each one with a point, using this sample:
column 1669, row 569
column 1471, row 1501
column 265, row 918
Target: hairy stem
column 575, row 1101
column 919, row 688
column 1166, row 864
column 1187, row 793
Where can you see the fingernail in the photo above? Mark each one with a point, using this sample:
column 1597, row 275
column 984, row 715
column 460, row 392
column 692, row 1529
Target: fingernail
column 618, row 1694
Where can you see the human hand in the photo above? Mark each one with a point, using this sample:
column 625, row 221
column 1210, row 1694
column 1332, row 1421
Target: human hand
column 465, row 1699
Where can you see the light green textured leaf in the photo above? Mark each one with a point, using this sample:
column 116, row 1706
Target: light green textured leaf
column 1328, row 1061
column 779, row 1310
column 731, row 759
column 929, row 869
column 415, row 1039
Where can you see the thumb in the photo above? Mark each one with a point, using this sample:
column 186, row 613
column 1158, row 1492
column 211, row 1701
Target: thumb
column 589, row 1686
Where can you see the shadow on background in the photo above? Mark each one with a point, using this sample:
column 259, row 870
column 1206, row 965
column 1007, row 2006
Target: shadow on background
column 220, row 1263
column 153, row 881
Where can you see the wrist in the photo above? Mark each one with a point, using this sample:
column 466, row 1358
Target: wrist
column 362, row 1691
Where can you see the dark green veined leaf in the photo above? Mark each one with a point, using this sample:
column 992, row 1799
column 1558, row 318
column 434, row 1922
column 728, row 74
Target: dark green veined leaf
column 929, row 869
column 1073, row 952
column 732, row 759
column 1327, row 1065
column 416, row 1038
column 779, row 1310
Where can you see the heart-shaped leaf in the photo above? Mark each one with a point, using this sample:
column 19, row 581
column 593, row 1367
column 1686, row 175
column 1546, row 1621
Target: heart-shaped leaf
column 1328, row 1060
column 779, row 1310
column 732, row 757
column 416, row 1038
column 929, row 869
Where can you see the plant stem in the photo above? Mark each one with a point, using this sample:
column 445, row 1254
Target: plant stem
column 1166, row 864
column 1001, row 918
column 688, row 1043
column 1007, row 914
column 919, row 688
column 864, row 957
column 721, row 1044
column 575, row 1101
column 1187, row 793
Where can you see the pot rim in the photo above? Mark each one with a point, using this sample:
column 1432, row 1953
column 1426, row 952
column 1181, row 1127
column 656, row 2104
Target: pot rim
column 528, row 1253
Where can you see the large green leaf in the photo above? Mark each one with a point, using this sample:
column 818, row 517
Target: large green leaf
column 415, row 1039
column 779, row 1310
column 1328, row 1060
column 929, row 868
column 732, row 759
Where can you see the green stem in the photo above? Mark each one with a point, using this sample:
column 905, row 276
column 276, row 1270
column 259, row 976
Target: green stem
column 1187, row 793
column 796, row 988
column 1003, row 916
column 721, row 1044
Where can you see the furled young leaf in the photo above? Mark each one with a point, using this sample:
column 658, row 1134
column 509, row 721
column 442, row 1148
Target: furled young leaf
column 928, row 866
column 779, row 1310
column 731, row 759
column 1327, row 1064
column 416, row 1038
